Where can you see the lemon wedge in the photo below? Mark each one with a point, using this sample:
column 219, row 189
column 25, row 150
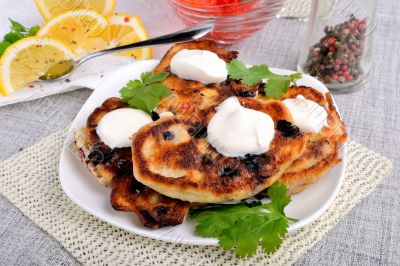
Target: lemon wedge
column 28, row 59
column 121, row 29
column 51, row 8
column 73, row 28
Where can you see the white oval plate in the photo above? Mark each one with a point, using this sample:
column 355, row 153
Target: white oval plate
column 83, row 188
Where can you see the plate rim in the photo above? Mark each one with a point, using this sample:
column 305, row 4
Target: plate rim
column 148, row 232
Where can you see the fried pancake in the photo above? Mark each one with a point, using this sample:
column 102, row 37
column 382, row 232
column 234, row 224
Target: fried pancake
column 173, row 157
column 113, row 167
column 192, row 98
column 200, row 45
column 314, row 152
column 102, row 161
column 317, row 159
column 336, row 129
column 153, row 209
column 321, row 152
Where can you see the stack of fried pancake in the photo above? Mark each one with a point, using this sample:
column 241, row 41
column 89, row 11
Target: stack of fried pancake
column 171, row 166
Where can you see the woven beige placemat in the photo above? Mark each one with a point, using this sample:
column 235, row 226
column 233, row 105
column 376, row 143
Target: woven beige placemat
column 30, row 181
column 300, row 9
column 295, row 9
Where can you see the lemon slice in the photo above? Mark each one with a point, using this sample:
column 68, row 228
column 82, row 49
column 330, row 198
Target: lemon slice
column 74, row 27
column 121, row 29
column 28, row 59
column 51, row 8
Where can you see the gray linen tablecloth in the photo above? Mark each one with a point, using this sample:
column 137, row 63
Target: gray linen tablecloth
column 368, row 235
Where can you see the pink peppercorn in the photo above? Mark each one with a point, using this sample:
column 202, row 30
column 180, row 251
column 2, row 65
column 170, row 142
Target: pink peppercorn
column 336, row 57
column 331, row 41
column 346, row 73
column 361, row 26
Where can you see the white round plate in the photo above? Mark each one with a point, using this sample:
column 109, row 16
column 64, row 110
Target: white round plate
column 83, row 188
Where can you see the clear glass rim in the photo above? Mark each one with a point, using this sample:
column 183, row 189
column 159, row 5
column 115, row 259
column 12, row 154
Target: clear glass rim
column 198, row 7
column 270, row 11
column 260, row 4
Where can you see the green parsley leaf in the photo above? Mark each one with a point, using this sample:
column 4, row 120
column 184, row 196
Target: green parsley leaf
column 249, row 76
column 242, row 226
column 18, row 32
column 158, row 77
column 12, row 37
column 16, row 26
column 3, row 46
column 223, row 217
column 279, row 199
column 145, row 93
column 276, row 85
column 32, row 31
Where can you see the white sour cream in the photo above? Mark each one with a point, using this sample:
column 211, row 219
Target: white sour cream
column 117, row 126
column 236, row 131
column 199, row 65
column 308, row 115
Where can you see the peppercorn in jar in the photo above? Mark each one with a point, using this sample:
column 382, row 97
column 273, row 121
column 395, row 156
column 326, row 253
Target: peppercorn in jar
column 338, row 42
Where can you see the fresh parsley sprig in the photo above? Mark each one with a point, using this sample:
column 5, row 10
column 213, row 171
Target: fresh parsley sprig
column 276, row 85
column 145, row 93
column 242, row 226
column 18, row 32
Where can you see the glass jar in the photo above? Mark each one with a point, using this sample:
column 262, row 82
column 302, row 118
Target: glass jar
column 337, row 48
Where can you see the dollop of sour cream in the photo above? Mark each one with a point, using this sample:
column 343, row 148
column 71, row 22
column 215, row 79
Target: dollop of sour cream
column 236, row 131
column 308, row 115
column 199, row 65
column 117, row 126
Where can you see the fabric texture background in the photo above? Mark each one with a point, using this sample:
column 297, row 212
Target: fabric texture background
column 368, row 235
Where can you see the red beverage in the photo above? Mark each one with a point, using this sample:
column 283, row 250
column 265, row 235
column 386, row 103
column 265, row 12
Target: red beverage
column 221, row 8
column 236, row 19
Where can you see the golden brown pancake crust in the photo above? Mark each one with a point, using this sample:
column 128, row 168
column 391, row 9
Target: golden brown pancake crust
column 168, row 157
column 317, row 159
column 321, row 152
column 192, row 98
column 200, row 45
column 102, row 161
column 94, row 118
column 336, row 129
column 153, row 209
column 113, row 167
